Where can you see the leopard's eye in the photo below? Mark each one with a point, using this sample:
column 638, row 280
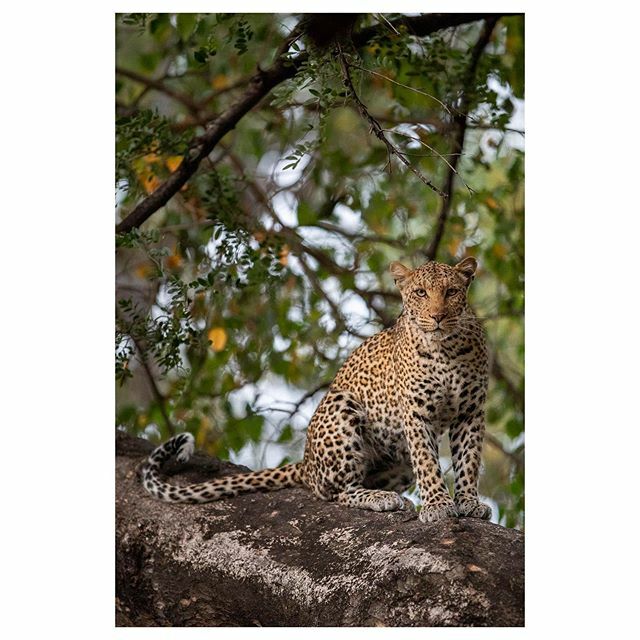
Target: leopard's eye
column 420, row 292
column 451, row 292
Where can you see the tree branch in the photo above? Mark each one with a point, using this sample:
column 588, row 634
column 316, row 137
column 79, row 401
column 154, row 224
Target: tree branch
column 515, row 458
column 427, row 23
column 287, row 558
column 498, row 373
column 160, row 86
column 460, row 124
column 160, row 399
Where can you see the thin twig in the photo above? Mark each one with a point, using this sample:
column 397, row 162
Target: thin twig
column 435, row 151
column 337, row 314
column 391, row 27
column 496, row 444
column 498, row 373
column 158, row 85
column 377, row 130
column 160, row 399
column 362, row 237
column 400, row 84
column 308, row 395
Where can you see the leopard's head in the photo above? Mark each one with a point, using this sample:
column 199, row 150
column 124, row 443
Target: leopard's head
column 435, row 295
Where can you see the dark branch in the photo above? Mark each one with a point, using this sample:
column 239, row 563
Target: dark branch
column 427, row 23
column 514, row 393
column 259, row 86
column 290, row 559
column 460, row 126
column 160, row 86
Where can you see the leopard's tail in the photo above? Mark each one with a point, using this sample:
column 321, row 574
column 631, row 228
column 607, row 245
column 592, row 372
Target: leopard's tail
column 182, row 447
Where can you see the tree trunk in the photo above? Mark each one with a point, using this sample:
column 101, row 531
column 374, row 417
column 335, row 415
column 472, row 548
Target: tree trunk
column 288, row 559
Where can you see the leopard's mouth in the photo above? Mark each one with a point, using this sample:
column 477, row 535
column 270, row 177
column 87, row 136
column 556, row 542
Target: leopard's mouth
column 435, row 332
column 439, row 330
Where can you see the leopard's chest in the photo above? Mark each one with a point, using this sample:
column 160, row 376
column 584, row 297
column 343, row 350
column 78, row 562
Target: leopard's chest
column 439, row 382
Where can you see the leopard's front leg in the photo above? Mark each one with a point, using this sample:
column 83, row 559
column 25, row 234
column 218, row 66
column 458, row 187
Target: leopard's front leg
column 423, row 450
column 466, row 438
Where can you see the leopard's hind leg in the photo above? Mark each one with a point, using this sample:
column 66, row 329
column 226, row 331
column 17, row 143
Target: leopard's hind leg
column 395, row 477
column 337, row 456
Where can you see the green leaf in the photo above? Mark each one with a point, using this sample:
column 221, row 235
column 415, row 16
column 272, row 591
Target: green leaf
column 306, row 215
column 253, row 427
column 185, row 24
column 286, row 434
column 514, row 427
column 201, row 55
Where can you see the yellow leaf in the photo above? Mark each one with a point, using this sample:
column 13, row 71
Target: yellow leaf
column 471, row 252
column 151, row 158
column 139, row 165
column 218, row 338
column 453, row 246
column 203, row 431
column 174, row 261
column 150, row 182
column 284, row 255
column 220, row 82
column 499, row 250
column 173, row 162
column 143, row 270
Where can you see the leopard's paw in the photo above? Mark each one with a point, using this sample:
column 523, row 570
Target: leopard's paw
column 434, row 513
column 387, row 501
column 473, row 508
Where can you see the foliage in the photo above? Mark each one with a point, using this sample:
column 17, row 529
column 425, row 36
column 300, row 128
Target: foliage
column 239, row 299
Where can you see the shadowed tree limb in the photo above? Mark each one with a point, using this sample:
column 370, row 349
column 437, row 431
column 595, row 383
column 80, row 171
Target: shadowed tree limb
column 287, row 558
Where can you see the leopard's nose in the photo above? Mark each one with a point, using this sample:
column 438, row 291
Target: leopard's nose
column 438, row 317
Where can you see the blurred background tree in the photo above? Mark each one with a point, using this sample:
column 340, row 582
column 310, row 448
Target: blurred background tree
column 269, row 167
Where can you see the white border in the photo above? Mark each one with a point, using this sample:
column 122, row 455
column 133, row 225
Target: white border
column 581, row 237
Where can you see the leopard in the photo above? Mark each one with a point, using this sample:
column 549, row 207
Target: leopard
column 377, row 431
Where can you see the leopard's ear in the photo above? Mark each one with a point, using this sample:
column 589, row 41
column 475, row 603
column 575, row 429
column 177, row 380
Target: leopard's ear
column 467, row 268
column 399, row 272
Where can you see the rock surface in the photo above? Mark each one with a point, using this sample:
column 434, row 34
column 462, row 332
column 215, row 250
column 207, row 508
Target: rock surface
column 288, row 559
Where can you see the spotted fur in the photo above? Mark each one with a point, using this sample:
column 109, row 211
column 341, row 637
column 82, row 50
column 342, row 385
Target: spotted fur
column 377, row 430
